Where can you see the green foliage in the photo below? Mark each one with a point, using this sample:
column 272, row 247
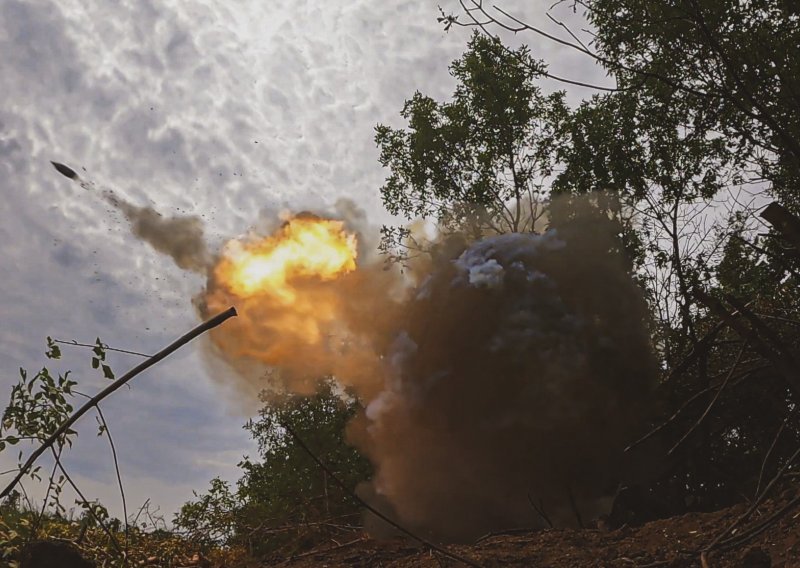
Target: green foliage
column 752, row 427
column 99, row 359
column 283, row 499
column 147, row 544
column 730, row 66
column 211, row 518
column 639, row 147
column 38, row 406
column 708, row 102
column 478, row 162
column 53, row 350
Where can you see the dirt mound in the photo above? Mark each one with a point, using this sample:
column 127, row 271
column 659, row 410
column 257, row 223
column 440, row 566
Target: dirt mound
column 53, row 554
column 675, row 543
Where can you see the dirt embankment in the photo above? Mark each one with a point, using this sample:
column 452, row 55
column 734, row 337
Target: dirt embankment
column 675, row 543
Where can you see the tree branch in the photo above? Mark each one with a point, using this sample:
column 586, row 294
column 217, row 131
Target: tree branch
column 174, row 346
column 713, row 400
column 105, row 347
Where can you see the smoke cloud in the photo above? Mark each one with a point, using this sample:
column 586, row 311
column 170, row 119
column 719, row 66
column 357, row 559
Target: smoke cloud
column 520, row 370
column 509, row 370
column 179, row 237
column 515, row 368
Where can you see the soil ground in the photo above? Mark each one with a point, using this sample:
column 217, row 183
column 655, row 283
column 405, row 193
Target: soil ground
column 675, row 543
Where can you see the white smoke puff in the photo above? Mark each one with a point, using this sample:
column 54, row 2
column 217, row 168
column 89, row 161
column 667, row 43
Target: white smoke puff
column 403, row 348
column 424, row 290
column 486, row 275
column 481, row 267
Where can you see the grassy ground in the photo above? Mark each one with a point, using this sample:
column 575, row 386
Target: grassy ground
column 143, row 547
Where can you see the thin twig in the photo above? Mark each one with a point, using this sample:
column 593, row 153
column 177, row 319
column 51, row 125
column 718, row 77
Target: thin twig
column 116, row 467
column 88, row 506
column 774, row 352
column 698, row 349
column 507, row 532
column 609, row 64
column 745, row 375
column 574, row 506
column 482, row 26
column 713, row 400
column 769, row 451
column 753, row 532
column 171, row 348
column 105, row 347
column 142, row 508
column 540, row 510
column 39, row 518
column 569, row 31
column 648, row 565
column 755, row 504
column 119, row 476
column 27, row 497
column 330, row 549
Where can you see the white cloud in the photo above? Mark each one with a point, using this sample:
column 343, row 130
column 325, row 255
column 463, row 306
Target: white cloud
column 213, row 108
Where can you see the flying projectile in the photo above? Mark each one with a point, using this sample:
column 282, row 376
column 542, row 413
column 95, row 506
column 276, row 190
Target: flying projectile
column 65, row 171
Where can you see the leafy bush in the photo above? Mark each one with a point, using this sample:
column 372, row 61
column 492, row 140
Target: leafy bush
column 283, row 499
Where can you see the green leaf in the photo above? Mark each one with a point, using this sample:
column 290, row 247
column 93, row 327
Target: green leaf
column 53, row 350
column 108, row 373
column 99, row 349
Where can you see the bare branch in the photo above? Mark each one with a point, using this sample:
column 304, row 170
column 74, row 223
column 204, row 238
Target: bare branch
column 713, row 400
column 369, row 507
column 105, row 347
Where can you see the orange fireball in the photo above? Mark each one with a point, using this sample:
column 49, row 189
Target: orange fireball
column 304, row 247
column 304, row 306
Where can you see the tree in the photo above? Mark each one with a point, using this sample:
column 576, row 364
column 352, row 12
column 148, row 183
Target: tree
column 705, row 100
column 477, row 164
column 664, row 166
column 283, row 498
column 703, row 115
column 731, row 65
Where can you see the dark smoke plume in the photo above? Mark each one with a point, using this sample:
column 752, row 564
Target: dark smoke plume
column 522, row 368
column 180, row 237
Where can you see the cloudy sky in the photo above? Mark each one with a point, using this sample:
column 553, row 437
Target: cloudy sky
column 229, row 110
